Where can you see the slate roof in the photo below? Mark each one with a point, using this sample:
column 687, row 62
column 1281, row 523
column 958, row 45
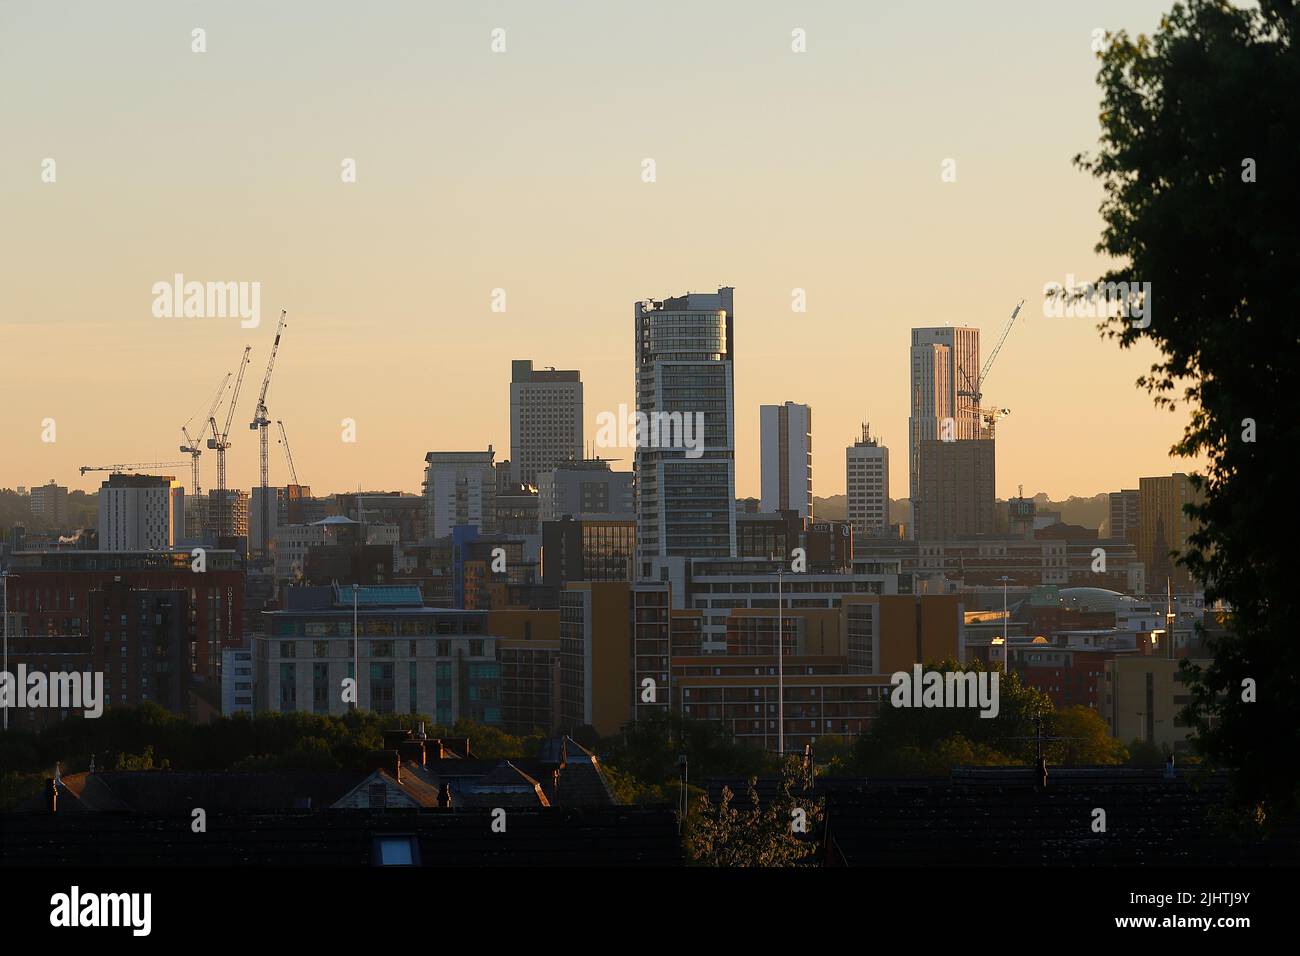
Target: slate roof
column 613, row 836
column 169, row 791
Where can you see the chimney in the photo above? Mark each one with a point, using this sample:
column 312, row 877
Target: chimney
column 51, row 795
column 413, row 750
column 387, row 760
column 394, row 738
column 444, row 796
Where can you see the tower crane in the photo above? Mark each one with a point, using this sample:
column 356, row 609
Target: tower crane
column 975, row 390
column 261, row 422
column 288, row 455
column 192, row 447
column 220, row 442
column 133, row 466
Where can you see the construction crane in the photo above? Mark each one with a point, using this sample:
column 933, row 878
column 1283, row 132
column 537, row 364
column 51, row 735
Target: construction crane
column 192, row 447
column 134, row 466
column 220, row 442
column 288, row 455
column 261, row 422
column 975, row 390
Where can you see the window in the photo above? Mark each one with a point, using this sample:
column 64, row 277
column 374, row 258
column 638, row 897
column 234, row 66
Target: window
column 396, row 851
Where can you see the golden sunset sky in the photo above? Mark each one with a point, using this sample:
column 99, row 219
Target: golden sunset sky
column 521, row 170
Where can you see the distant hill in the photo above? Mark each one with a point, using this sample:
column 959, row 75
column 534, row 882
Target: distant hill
column 1088, row 512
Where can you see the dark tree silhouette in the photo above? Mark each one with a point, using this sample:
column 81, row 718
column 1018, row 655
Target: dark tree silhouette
column 1200, row 162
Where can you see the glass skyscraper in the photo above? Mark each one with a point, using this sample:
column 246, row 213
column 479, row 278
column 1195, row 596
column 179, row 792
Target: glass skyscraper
column 685, row 489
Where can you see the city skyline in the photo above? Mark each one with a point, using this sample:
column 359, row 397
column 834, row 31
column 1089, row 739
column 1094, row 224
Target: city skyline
column 389, row 290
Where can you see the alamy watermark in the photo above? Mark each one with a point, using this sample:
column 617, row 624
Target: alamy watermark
column 923, row 688
column 666, row 430
column 208, row 300
column 1129, row 300
column 60, row 690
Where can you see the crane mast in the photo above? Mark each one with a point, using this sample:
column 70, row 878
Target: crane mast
column 192, row 447
column 262, row 422
column 975, row 390
column 220, row 442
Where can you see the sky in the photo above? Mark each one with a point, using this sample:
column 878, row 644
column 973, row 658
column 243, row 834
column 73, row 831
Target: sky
column 522, row 170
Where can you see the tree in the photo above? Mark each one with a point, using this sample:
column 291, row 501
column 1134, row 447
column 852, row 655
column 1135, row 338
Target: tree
column 1200, row 143
column 1087, row 739
column 781, row 833
column 905, row 741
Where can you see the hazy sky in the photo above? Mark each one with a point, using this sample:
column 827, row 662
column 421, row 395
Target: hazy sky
column 522, row 170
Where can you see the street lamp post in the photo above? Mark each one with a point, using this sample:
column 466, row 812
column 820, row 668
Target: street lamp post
column 1006, row 631
column 356, row 651
column 780, row 660
column 4, row 612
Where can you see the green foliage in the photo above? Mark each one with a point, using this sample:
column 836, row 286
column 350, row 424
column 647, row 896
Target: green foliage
column 16, row 787
column 918, row 741
column 648, row 750
column 1089, row 741
column 1182, row 111
column 628, row 790
column 750, row 834
column 142, row 761
column 130, row 738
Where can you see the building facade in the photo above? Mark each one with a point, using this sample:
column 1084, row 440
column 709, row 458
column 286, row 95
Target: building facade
column 149, row 621
column 943, row 363
column 785, row 442
column 140, row 512
column 1163, row 527
column 685, row 480
column 956, row 492
column 866, row 486
column 1124, row 514
column 580, row 488
column 413, row 659
column 460, row 489
column 545, row 419
column 50, row 503
column 595, row 656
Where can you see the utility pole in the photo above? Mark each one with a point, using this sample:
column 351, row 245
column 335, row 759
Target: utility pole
column 1006, row 631
column 780, row 659
column 356, row 651
column 4, row 609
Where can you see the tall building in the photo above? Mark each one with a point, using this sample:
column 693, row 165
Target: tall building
column 595, row 656
column 460, row 489
column 590, row 548
column 50, row 502
column 586, row 487
column 227, row 513
column 944, row 363
column 685, row 476
column 545, row 419
column 1123, row 518
column 140, row 512
column 1163, row 527
column 866, row 485
column 154, row 627
column 956, row 493
column 785, row 441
